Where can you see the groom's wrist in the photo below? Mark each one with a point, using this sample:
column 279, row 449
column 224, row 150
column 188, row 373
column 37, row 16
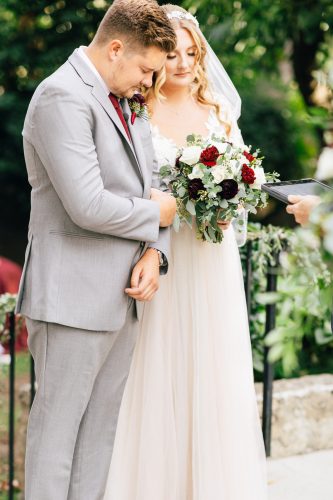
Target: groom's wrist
column 161, row 256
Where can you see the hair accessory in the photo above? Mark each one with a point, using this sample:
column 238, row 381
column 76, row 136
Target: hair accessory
column 177, row 14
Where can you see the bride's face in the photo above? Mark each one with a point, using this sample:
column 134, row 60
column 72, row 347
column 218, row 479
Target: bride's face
column 180, row 64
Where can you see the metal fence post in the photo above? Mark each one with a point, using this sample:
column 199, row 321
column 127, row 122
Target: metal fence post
column 248, row 277
column 268, row 367
column 11, row 405
column 32, row 380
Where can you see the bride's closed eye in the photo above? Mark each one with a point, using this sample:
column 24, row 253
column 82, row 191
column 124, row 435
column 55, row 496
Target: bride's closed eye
column 173, row 56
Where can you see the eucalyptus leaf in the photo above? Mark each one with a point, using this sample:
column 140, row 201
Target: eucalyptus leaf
column 190, row 207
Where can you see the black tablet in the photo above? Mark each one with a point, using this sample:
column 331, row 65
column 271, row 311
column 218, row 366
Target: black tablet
column 302, row 187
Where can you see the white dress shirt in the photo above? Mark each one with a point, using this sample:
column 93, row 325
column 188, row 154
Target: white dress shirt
column 85, row 58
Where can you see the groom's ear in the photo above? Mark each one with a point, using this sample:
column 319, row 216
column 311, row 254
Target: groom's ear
column 115, row 48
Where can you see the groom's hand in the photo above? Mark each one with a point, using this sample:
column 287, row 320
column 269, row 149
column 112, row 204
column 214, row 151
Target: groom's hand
column 145, row 277
column 167, row 206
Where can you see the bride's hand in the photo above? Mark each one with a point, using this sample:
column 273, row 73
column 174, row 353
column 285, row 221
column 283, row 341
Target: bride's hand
column 224, row 224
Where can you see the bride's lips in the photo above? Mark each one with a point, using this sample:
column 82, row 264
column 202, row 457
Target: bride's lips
column 182, row 74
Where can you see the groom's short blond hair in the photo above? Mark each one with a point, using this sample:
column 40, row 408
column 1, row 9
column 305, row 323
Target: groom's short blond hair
column 142, row 23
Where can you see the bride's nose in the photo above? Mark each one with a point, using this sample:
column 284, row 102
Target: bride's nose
column 182, row 62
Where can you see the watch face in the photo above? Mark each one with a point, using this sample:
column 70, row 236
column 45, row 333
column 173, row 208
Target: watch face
column 160, row 257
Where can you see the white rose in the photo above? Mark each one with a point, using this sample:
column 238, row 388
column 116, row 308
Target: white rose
column 220, row 146
column 191, row 155
column 325, row 164
column 260, row 178
column 218, row 173
column 196, row 173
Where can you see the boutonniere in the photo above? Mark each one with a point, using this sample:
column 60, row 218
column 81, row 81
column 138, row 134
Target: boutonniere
column 138, row 107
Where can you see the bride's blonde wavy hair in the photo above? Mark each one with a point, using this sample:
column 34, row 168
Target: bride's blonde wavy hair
column 200, row 86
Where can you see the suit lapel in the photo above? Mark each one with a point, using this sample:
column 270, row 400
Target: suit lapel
column 99, row 94
column 137, row 143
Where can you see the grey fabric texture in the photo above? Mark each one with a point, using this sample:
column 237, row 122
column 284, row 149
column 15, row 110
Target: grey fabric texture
column 81, row 376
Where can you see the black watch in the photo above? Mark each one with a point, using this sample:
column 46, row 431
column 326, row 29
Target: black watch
column 160, row 256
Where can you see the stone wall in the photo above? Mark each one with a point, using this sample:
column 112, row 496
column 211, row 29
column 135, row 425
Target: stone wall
column 302, row 415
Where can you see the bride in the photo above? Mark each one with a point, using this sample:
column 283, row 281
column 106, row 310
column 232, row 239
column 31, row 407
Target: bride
column 189, row 427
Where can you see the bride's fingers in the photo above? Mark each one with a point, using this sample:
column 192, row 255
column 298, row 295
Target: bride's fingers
column 224, row 224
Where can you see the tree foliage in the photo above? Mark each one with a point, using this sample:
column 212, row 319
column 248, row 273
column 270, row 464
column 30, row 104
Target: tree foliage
column 256, row 36
column 37, row 37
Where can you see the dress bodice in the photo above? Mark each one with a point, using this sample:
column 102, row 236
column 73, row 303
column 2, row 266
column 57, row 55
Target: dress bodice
column 166, row 149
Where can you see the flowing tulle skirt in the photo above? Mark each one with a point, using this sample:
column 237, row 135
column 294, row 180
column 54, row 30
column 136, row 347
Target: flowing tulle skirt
column 189, row 427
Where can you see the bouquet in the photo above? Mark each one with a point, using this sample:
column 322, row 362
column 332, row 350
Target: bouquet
column 211, row 180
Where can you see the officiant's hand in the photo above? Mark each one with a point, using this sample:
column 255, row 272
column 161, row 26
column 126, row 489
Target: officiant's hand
column 167, row 206
column 301, row 207
column 145, row 277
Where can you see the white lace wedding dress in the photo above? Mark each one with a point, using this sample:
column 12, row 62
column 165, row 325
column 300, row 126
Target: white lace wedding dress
column 189, row 427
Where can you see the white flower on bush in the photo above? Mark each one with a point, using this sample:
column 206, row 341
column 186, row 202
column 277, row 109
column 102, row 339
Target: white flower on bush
column 260, row 178
column 191, row 155
column 197, row 173
column 218, row 173
column 327, row 226
column 325, row 164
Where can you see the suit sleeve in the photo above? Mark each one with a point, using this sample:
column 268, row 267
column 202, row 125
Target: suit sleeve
column 163, row 242
column 60, row 127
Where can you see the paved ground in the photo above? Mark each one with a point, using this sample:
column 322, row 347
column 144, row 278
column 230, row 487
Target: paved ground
column 303, row 477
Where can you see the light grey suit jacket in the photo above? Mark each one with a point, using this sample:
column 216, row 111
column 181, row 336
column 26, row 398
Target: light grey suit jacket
column 90, row 210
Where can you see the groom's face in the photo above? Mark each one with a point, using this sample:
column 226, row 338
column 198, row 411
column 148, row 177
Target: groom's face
column 133, row 68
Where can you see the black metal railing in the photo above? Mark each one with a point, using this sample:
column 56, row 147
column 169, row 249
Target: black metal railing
column 268, row 367
column 268, row 377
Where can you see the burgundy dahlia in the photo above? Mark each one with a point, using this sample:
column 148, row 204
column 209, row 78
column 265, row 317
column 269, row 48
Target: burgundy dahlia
column 209, row 156
column 229, row 189
column 248, row 174
column 194, row 186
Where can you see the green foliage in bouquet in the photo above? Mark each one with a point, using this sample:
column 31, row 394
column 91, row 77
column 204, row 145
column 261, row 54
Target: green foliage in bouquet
column 211, row 180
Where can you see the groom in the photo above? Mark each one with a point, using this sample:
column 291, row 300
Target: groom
column 95, row 246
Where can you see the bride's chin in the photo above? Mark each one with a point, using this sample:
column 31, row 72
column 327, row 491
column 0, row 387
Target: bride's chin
column 180, row 83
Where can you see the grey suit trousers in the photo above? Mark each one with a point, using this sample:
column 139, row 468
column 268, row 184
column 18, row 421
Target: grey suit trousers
column 81, row 377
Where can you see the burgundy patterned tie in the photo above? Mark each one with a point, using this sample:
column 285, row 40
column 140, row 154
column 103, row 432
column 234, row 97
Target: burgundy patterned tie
column 119, row 110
